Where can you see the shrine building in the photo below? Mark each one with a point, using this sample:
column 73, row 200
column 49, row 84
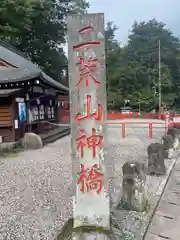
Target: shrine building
column 30, row 100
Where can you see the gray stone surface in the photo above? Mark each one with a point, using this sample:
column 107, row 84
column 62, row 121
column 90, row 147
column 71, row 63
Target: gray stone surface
column 156, row 159
column 7, row 146
column 167, row 209
column 88, row 111
column 134, row 178
column 154, row 237
column 32, row 141
column 168, row 228
column 166, row 220
column 167, row 141
column 35, row 187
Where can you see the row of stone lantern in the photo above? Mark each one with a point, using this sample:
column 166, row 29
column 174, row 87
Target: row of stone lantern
column 134, row 173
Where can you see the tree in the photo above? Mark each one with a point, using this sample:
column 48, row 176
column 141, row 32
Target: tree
column 14, row 18
column 38, row 28
column 133, row 71
column 142, row 49
column 43, row 41
column 45, row 34
column 113, row 55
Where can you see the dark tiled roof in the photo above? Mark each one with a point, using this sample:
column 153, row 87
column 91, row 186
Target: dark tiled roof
column 17, row 75
column 13, row 49
column 26, row 69
column 51, row 81
column 6, row 92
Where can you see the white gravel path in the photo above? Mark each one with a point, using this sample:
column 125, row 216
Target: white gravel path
column 35, row 187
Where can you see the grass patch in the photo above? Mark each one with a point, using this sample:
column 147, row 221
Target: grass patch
column 10, row 153
column 68, row 230
column 147, row 206
column 123, row 205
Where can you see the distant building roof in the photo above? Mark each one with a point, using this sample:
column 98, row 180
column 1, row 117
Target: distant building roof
column 17, row 75
column 24, row 69
column 7, row 92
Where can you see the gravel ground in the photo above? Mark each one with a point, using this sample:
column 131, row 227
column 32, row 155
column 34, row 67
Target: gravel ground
column 35, row 186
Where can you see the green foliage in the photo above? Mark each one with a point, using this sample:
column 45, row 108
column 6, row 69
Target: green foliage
column 133, row 70
column 14, row 17
column 38, row 28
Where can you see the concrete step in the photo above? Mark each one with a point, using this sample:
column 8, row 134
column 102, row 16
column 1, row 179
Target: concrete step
column 55, row 134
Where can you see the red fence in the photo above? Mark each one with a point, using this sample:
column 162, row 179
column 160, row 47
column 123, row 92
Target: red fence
column 114, row 116
column 150, row 126
column 64, row 115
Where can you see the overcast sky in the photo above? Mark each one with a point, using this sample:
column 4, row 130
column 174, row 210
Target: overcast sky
column 124, row 12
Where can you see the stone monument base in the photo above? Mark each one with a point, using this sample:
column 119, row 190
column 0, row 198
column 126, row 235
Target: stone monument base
column 88, row 232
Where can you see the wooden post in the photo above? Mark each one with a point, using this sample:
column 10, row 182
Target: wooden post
column 150, row 130
column 88, row 108
column 123, row 130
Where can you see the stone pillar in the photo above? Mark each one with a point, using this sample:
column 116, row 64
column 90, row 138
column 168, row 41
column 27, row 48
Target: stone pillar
column 167, row 142
column 88, row 108
column 156, row 159
column 175, row 133
column 83, row 233
column 133, row 187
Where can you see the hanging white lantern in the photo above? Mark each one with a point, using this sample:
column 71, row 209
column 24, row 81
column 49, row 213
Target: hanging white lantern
column 38, row 101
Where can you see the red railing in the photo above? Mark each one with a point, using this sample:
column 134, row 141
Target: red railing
column 113, row 116
column 118, row 115
column 125, row 125
column 149, row 125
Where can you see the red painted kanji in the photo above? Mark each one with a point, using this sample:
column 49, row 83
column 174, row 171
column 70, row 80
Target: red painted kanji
column 90, row 179
column 80, row 46
column 97, row 115
column 88, row 67
column 88, row 28
column 86, row 45
column 92, row 142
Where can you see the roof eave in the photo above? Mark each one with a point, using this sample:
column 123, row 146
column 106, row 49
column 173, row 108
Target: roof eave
column 48, row 80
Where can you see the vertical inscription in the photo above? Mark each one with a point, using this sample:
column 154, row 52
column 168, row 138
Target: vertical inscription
column 86, row 57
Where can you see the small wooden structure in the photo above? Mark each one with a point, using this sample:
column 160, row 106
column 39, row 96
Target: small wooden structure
column 30, row 100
